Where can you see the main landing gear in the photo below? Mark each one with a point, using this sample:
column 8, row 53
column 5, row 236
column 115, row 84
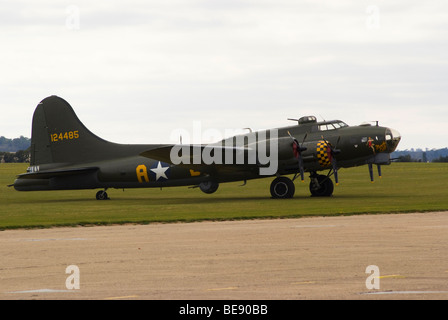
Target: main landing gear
column 320, row 186
column 282, row 188
column 102, row 195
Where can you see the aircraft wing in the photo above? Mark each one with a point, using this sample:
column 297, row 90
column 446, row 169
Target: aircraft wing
column 161, row 154
column 192, row 157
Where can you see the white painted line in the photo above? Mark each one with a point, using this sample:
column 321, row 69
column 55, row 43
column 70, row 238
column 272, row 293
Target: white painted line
column 404, row 292
column 221, row 289
column 42, row 291
column 56, row 239
column 123, row 297
column 316, row 226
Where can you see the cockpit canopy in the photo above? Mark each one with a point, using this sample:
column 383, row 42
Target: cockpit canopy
column 311, row 121
column 332, row 125
column 320, row 126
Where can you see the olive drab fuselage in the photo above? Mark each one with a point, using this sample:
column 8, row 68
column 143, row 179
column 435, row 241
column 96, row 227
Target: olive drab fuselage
column 65, row 155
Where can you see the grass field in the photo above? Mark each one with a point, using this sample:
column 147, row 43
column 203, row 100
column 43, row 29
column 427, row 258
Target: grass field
column 405, row 187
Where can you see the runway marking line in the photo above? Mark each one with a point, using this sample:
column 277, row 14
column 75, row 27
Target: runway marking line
column 404, row 292
column 42, row 291
column 392, row 276
column 304, row 282
column 221, row 289
column 118, row 298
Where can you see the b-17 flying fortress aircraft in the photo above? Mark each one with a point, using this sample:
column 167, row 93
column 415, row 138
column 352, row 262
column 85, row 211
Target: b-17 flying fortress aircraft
column 65, row 155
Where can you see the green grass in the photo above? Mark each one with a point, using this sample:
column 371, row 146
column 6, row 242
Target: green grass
column 405, row 187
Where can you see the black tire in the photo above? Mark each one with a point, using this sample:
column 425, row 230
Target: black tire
column 282, row 188
column 209, row 187
column 101, row 195
column 322, row 188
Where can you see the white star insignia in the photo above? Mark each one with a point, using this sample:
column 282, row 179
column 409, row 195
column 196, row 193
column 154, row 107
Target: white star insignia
column 160, row 171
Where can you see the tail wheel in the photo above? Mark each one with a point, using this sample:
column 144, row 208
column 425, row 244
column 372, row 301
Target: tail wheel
column 282, row 188
column 321, row 186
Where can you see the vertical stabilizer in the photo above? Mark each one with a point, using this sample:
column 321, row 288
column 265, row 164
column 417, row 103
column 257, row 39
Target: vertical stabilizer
column 58, row 136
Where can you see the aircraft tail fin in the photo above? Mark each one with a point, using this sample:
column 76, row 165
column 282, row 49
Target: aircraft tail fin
column 58, row 136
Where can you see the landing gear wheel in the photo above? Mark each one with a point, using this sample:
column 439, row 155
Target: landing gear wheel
column 282, row 188
column 102, row 195
column 321, row 186
column 209, row 187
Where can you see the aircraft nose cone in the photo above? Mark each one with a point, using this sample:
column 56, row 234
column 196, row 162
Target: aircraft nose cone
column 393, row 138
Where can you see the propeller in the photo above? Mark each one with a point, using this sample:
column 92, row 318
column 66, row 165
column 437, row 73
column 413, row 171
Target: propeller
column 371, row 172
column 298, row 149
column 332, row 152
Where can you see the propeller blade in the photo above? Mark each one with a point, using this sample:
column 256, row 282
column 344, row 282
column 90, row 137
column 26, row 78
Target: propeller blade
column 302, row 171
column 371, row 172
column 379, row 171
column 289, row 133
column 297, row 149
column 335, row 170
column 304, row 138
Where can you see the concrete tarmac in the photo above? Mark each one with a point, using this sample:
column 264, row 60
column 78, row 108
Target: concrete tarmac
column 283, row 259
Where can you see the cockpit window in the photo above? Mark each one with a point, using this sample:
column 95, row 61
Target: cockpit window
column 332, row 126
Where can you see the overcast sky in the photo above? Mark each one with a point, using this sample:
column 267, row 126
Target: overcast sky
column 137, row 71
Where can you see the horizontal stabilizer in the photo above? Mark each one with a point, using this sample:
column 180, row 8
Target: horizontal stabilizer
column 47, row 174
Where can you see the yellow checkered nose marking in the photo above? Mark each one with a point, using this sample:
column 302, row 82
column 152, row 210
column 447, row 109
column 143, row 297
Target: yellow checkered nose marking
column 322, row 154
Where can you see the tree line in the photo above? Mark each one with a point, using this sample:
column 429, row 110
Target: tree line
column 418, row 155
column 15, row 150
column 14, row 145
column 12, row 157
